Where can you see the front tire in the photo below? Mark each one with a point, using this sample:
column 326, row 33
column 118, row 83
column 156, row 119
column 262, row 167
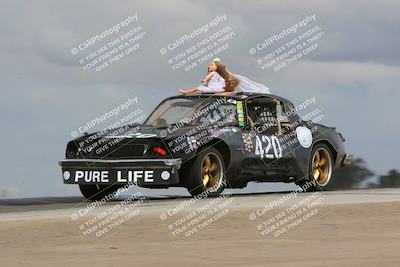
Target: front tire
column 95, row 192
column 205, row 175
column 320, row 169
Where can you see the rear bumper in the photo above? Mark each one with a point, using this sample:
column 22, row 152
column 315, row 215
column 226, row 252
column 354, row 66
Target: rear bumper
column 143, row 172
column 347, row 159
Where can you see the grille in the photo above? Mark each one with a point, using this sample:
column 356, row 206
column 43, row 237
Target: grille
column 126, row 151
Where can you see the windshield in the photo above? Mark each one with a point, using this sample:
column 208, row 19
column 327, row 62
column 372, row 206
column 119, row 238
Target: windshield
column 191, row 112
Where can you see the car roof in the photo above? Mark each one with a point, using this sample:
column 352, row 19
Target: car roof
column 238, row 96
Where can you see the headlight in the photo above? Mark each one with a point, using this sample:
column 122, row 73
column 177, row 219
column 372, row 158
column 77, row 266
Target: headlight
column 72, row 150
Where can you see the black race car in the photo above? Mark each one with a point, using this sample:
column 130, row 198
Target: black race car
column 207, row 143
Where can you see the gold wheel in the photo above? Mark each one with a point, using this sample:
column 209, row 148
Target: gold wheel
column 321, row 166
column 211, row 171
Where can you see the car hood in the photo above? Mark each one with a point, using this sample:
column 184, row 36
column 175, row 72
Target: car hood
column 143, row 131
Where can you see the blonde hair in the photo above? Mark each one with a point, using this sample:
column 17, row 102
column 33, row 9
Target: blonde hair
column 230, row 81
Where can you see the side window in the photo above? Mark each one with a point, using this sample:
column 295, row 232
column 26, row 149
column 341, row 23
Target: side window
column 262, row 112
column 287, row 116
column 221, row 114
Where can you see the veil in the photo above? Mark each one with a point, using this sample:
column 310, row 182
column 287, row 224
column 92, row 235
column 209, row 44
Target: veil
column 247, row 85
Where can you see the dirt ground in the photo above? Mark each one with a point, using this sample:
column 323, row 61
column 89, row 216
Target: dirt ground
column 339, row 235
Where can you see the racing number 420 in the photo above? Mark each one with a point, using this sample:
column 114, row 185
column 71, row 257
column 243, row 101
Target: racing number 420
column 268, row 147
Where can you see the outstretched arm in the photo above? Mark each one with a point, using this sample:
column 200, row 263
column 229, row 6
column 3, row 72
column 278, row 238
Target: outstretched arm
column 208, row 78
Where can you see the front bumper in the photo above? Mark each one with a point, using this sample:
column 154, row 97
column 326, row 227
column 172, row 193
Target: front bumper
column 143, row 172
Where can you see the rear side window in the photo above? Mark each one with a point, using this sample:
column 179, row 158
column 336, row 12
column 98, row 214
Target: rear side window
column 262, row 112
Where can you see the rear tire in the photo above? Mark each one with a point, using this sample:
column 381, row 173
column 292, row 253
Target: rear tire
column 205, row 174
column 94, row 192
column 320, row 169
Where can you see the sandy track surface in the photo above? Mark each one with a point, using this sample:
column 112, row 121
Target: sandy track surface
column 346, row 228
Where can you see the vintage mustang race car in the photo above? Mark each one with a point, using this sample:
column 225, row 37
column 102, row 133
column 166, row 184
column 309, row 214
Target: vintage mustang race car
column 207, row 143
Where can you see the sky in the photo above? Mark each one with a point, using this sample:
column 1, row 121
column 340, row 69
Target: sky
column 46, row 93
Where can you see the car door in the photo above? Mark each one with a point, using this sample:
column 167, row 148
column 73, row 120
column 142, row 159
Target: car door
column 299, row 135
column 270, row 151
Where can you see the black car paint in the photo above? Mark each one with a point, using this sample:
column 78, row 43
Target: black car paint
column 242, row 166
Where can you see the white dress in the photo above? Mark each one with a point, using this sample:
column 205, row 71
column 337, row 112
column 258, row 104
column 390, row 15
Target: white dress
column 215, row 85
